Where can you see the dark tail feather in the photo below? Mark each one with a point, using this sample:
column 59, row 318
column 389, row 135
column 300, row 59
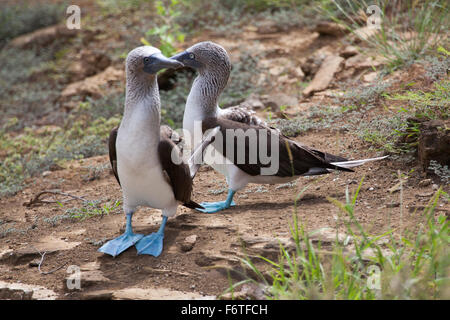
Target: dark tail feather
column 192, row 205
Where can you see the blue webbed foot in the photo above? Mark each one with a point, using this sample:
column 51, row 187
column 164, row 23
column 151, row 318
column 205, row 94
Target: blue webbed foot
column 120, row 244
column 211, row 207
column 153, row 243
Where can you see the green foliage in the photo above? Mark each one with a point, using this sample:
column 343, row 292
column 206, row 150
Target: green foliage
column 21, row 95
column 92, row 209
column 30, row 153
column 168, row 34
column 408, row 29
column 118, row 6
column 411, row 264
column 434, row 104
column 383, row 132
column 443, row 172
column 22, row 18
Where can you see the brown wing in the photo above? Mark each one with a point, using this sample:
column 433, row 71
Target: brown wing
column 112, row 152
column 293, row 158
column 177, row 171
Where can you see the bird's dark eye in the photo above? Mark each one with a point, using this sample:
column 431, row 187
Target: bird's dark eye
column 191, row 55
column 146, row 60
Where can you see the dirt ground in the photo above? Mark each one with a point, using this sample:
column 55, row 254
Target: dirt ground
column 263, row 213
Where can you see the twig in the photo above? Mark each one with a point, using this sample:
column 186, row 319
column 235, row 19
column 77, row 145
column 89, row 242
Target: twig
column 42, row 260
column 36, row 200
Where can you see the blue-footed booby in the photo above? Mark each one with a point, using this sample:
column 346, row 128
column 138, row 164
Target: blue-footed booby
column 202, row 112
column 144, row 157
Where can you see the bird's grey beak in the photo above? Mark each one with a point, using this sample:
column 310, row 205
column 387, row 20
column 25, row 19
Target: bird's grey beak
column 158, row 62
column 180, row 56
column 185, row 58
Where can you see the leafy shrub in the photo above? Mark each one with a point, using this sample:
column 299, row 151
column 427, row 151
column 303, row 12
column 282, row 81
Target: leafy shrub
column 408, row 29
column 411, row 263
column 24, row 17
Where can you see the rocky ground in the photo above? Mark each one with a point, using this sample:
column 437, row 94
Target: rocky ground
column 203, row 251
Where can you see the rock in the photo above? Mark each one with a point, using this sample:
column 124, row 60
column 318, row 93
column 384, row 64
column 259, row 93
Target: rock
column 46, row 173
column 328, row 236
column 275, row 101
column 282, row 68
column 361, row 61
column 370, row 77
column 325, row 75
column 42, row 37
column 311, row 64
column 188, row 243
column 349, row 51
column 89, row 63
column 34, row 263
column 158, row 294
column 425, row 183
column 252, row 102
column 204, row 261
column 92, row 86
column 21, row 291
column 434, row 143
column 435, row 187
column 331, row 28
column 28, row 252
column 247, row 292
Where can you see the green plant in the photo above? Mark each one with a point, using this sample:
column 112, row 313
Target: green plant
column 443, row 172
column 407, row 31
column 411, row 264
column 433, row 104
column 21, row 18
column 93, row 209
column 169, row 33
column 117, row 6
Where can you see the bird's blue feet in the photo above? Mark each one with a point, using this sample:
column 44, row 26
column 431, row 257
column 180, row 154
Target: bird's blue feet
column 120, row 244
column 211, row 207
column 153, row 243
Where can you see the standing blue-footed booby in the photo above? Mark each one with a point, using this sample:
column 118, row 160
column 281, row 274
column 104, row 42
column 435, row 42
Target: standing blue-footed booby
column 145, row 160
column 202, row 113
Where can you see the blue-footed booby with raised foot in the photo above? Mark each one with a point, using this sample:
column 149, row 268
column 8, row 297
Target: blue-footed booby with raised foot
column 202, row 112
column 145, row 160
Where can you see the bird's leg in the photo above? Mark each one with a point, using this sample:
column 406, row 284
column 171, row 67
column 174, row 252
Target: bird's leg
column 153, row 243
column 211, row 207
column 118, row 245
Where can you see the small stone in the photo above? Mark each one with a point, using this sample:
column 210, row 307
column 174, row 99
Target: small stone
column 393, row 205
column 189, row 243
column 435, row 187
column 349, row 51
column 331, row 28
column 425, row 183
column 34, row 263
column 324, row 75
column 370, row 77
column 46, row 173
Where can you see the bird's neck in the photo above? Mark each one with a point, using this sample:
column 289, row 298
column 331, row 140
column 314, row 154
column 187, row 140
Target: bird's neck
column 202, row 101
column 142, row 103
